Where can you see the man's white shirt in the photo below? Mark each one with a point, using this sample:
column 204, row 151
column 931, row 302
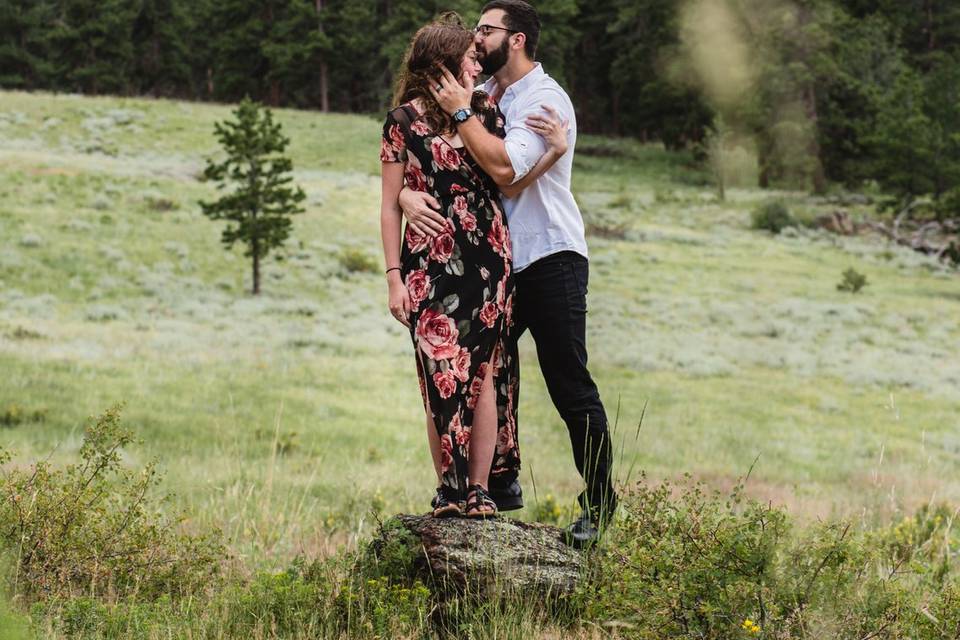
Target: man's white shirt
column 544, row 219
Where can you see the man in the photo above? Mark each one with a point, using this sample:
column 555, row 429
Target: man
column 549, row 247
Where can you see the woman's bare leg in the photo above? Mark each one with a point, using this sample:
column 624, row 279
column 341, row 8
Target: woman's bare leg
column 483, row 437
column 433, row 438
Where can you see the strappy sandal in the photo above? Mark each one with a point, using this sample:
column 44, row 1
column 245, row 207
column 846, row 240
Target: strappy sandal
column 479, row 503
column 443, row 505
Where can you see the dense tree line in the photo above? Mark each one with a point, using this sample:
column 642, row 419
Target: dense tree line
column 839, row 90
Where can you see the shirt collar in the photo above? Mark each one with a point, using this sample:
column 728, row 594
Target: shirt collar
column 520, row 85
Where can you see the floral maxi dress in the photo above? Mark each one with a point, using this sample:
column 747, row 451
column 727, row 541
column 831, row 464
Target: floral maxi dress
column 461, row 290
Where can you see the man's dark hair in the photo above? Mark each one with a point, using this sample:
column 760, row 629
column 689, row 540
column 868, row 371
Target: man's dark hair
column 521, row 17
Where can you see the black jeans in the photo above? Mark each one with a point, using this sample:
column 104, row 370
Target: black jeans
column 551, row 301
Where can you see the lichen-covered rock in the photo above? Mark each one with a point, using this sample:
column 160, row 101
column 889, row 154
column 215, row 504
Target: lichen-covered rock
column 479, row 556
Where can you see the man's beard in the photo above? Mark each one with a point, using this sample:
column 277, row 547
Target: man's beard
column 494, row 61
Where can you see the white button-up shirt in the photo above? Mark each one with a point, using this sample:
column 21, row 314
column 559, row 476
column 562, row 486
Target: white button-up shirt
column 544, row 219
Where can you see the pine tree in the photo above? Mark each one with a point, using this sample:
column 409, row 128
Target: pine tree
column 24, row 52
column 237, row 30
column 292, row 49
column 258, row 210
column 160, row 34
column 92, row 45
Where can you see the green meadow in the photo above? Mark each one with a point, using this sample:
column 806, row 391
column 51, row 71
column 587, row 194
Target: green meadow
column 292, row 422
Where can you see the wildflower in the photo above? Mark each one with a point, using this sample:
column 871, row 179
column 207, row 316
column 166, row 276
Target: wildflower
column 750, row 626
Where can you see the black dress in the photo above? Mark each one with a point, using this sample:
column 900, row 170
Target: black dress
column 461, row 289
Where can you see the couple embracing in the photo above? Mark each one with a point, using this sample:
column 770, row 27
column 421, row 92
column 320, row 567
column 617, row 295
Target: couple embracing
column 493, row 246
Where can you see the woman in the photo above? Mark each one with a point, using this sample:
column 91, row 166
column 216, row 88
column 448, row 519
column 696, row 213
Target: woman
column 455, row 291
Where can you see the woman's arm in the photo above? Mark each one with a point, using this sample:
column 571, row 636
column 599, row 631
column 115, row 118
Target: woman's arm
column 391, row 181
column 554, row 132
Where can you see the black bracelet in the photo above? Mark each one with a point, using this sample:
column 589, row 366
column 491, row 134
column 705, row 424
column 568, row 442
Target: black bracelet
column 392, row 269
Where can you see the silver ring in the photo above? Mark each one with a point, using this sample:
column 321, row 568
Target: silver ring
column 439, row 87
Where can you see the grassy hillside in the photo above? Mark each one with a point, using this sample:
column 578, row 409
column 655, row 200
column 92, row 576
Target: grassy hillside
column 290, row 419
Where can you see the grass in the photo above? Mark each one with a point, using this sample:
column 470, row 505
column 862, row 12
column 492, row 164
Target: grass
column 292, row 420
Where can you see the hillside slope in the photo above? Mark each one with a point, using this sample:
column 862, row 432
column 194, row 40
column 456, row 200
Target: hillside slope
column 300, row 407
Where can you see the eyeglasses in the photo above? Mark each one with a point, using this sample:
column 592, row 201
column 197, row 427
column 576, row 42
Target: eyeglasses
column 485, row 30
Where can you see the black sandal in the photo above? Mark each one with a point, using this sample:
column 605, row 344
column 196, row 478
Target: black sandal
column 479, row 503
column 443, row 505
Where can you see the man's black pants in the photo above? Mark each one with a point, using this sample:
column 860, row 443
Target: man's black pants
column 551, row 301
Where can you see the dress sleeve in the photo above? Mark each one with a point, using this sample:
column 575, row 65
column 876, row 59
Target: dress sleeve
column 393, row 145
column 494, row 120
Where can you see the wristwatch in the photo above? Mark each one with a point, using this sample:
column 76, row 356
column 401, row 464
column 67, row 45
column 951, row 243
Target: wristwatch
column 462, row 115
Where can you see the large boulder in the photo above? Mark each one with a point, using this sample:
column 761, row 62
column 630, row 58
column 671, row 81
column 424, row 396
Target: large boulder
column 490, row 556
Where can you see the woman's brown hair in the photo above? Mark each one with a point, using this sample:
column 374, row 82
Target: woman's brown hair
column 442, row 42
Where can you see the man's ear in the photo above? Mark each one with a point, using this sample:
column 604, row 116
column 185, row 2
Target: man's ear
column 520, row 42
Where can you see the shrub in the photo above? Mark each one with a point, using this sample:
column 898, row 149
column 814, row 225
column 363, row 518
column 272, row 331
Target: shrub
column 288, row 602
column 95, row 527
column 549, row 511
column 380, row 607
column 852, row 281
column 357, row 261
column 160, row 204
column 15, row 414
column 773, row 216
column 380, row 597
column 720, row 567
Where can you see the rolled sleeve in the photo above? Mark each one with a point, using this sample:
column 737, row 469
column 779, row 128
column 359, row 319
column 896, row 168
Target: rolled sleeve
column 524, row 148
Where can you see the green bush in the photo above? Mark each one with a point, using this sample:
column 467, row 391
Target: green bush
column 357, row 261
column 773, row 216
column 714, row 566
column 96, row 528
column 15, row 414
column 852, row 281
column 297, row 599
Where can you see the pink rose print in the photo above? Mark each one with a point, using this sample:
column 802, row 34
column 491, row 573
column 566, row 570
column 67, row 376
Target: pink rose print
column 476, row 386
column 420, row 127
column 418, row 285
column 416, row 241
column 445, row 382
column 460, row 205
column 456, row 188
column 463, row 438
column 414, row 178
column 441, row 248
column 444, row 155
column 484, row 273
column 489, row 314
column 387, row 154
column 456, row 424
column 437, row 335
column 446, row 452
column 396, row 137
column 497, row 237
column 461, row 365
column 468, row 221
column 501, row 294
column 504, row 440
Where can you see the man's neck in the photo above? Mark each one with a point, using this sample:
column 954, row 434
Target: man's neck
column 511, row 72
